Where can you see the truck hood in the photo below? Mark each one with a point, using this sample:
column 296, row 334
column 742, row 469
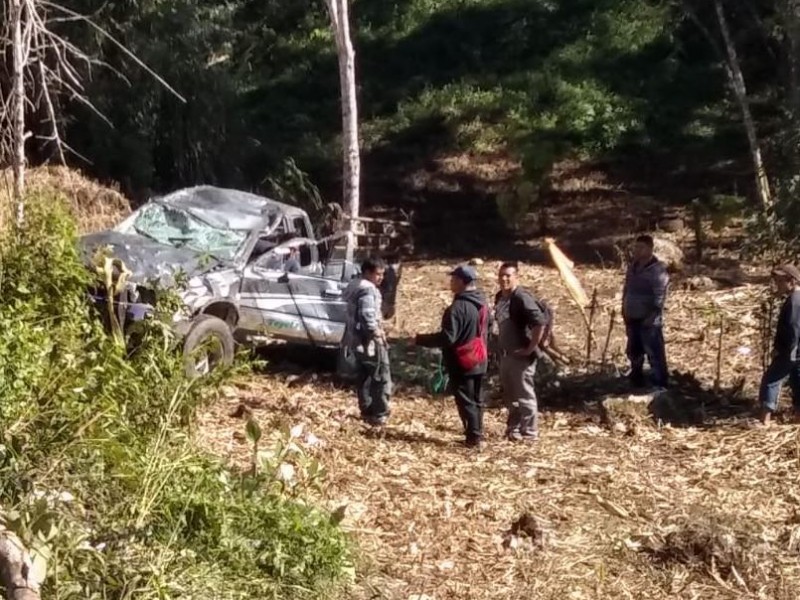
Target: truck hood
column 147, row 259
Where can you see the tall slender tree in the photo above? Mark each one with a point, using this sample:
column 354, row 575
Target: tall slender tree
column 736, row 78
column 340, row 22
column 729, row 57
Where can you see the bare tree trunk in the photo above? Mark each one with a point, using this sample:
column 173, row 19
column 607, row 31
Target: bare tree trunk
column 340, row 21
column 740, row 92
column 17, row 106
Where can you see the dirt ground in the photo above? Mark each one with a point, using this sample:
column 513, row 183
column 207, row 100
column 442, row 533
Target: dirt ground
column 691, row 501
column 696, row 503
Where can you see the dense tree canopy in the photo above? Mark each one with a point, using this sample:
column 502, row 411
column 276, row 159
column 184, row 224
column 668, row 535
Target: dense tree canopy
column 538, row 80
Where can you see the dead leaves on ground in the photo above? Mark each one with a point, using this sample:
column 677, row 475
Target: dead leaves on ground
column 586, row 512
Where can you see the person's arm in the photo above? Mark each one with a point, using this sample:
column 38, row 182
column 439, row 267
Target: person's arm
column 786, row 330
column 659, row 282
column 625, row 291
column 536, row 320
column 370, row 318
column 795, row 340
column 445, row 337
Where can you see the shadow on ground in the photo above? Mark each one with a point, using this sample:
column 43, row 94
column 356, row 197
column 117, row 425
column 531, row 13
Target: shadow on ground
column 610, row 399
column 413, row 369
column 602, row 396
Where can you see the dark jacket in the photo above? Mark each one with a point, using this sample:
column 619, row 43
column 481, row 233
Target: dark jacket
column 525, row 313
column 460, row 324
column 787, row 330
column 645, row 291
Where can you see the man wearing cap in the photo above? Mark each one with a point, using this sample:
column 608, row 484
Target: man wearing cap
column 785, row 356
column 521, row 329
column 463, row 340
column 643, row 296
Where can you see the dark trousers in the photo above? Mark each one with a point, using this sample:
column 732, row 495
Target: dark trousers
column 647, row 340
column 374, row 384
column 467, row 392
column 779, row 370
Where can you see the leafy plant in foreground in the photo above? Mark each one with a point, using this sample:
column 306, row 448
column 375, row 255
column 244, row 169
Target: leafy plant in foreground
column 99, row 474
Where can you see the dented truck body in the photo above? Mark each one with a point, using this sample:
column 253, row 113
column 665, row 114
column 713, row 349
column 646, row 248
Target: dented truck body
column 244, row 260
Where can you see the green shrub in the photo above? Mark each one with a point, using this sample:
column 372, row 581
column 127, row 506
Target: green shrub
column 98, row 474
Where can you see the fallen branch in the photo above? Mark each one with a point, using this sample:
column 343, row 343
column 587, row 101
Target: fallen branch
column 718, row 379
column 611, row 320
column 590, row 327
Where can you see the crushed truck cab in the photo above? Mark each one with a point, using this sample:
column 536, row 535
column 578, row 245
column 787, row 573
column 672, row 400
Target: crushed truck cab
column 248, row 269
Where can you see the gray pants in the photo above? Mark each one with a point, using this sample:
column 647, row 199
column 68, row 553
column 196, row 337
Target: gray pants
column 517, row 380
column 374, row 384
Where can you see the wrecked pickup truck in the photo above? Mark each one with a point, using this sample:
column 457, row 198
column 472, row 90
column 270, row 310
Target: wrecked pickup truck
column 253, row 271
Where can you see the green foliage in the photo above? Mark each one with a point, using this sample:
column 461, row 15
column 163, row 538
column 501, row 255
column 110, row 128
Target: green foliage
column 572, row 78
column 261, row 83
column 293, row 186
column 98, row 473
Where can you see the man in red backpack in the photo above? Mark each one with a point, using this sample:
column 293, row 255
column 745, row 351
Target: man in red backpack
column 463, row 340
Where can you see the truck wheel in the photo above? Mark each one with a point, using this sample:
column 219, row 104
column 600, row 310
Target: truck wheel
column 208, row 344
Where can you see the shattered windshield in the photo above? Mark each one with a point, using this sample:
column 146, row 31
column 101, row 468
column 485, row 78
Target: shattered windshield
column 178, row 228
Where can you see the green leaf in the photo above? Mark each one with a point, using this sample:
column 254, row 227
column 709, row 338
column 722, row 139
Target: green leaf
column 39, row 558
column 253, row 430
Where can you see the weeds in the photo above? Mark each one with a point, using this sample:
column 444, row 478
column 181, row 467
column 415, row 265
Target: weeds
column 98, row 474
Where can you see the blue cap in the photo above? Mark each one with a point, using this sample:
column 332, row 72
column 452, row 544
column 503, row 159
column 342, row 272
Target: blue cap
column 465, row 273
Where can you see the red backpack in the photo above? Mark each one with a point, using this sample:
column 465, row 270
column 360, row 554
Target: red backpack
column 472, row 353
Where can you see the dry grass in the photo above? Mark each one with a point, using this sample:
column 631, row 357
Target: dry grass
column 704, row 507
column 95, row 206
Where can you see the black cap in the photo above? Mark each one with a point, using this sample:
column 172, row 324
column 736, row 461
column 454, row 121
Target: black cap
column 465, row 273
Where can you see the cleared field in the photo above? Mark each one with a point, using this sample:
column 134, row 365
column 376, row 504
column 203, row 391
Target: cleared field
column 693, row 503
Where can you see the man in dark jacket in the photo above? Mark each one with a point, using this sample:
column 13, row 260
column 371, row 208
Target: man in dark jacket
column 522, row 326
column 785, row 355
column 463, row 340
column 643, row 298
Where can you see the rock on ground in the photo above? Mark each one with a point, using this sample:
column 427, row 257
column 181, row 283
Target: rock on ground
column 627, row 412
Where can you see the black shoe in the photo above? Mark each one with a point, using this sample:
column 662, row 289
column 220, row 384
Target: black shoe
column 637, row 381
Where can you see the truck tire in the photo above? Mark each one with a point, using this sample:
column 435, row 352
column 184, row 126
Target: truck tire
column 208, row 344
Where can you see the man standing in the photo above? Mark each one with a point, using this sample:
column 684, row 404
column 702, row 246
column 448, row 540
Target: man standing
column 463, row 340
column 522, row 324
column 366, row 340
column 785, row 356
column 643, row 298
